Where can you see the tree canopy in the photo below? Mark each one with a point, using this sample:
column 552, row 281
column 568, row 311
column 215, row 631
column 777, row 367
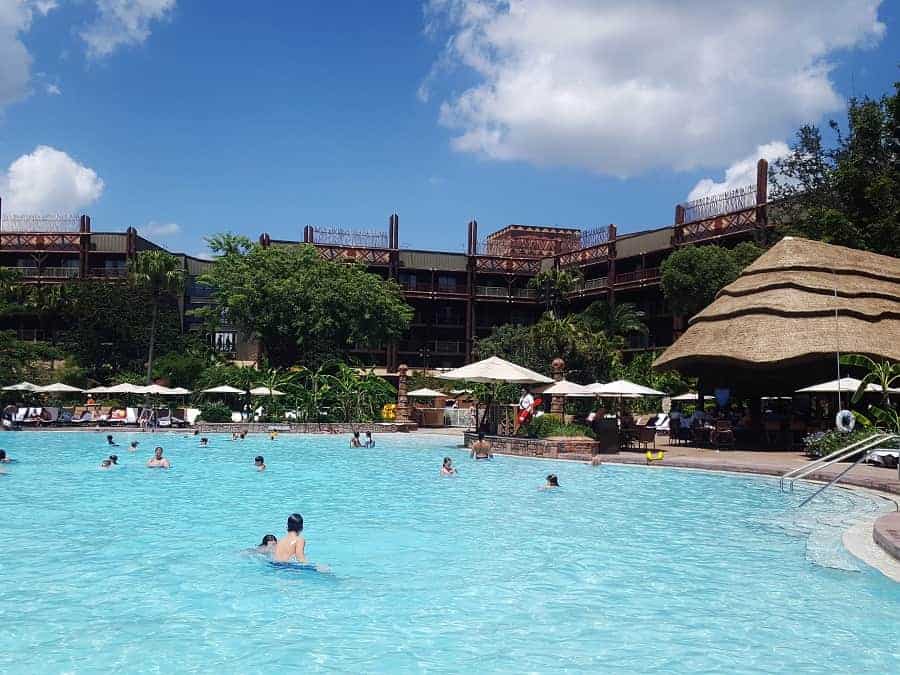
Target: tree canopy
column 691, row 276
column 303, row 309
column 847, row 192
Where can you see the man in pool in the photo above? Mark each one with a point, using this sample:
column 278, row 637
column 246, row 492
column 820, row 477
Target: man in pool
column 158, row 461
column 552, row 482
column 260, row 463
column 110, row 441
column 4, row 459
column 370, row 442
column 354, row 440
column 481, row 449
column 204, row 442
column 292, row 546
column 133, row 446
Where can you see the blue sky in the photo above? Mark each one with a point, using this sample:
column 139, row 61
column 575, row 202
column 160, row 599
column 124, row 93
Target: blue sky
column 184, row 119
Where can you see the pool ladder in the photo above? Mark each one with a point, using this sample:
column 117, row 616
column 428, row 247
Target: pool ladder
column 861, row 448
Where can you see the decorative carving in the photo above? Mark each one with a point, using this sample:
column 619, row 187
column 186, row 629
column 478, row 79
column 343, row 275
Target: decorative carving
column 40, row 241
column 526, row 266
column 720, row 203
column 719, row 226
column 586, row 256
column 364, row 256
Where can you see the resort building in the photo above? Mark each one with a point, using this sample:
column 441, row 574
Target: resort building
column 458, row 297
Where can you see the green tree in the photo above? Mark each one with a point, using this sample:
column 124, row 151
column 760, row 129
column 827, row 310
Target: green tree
column 554, row 285
column 162, row 275
column 846, row 192
column 106, row 328
column 691, row 276
column 303, row 309
column 47, row 303
column 617, row 321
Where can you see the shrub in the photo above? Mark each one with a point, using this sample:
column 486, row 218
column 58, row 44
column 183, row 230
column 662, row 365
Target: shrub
column 824, row 443
column 215, row 412
column 552, row 425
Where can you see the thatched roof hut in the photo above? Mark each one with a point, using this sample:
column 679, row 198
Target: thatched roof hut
column 775, row 328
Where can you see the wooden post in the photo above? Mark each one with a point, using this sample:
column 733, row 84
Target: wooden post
column 557, row 402
column 402, row 400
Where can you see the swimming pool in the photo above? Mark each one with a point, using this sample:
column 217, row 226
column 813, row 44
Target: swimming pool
column 623, row 569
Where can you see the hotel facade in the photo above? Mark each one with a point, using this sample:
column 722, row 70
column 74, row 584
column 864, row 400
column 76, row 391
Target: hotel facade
column 458, row 297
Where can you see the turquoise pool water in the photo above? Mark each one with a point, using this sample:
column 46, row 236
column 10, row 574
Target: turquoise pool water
column 624, row 569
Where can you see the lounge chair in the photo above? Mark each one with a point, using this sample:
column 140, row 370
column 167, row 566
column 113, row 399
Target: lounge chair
column 131, row 416
column 117, row 416
column 20, row 415
column 645, row 437
column 49, row 415
column 33, row 417
column 660, row 423
column 66, row 415
column 86, row 417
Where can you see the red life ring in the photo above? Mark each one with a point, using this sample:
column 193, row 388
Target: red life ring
column 525, row 415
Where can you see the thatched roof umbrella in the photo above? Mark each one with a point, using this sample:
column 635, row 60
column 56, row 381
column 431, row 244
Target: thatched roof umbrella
column 781, row 322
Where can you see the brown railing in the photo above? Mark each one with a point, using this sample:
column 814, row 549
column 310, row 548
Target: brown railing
column 717, row 204
column 16, row 222
column 47, row 272
column 638, row 275
column 108, row 272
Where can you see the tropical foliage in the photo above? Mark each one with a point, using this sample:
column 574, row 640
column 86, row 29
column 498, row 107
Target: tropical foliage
column 161, row 275
column 886, row 376
column 554, row 285
column 545, row 426
column 846, row 192
column 691, row 276
column 303, row 309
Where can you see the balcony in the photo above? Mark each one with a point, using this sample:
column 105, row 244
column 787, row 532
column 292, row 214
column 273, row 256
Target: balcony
column 439, row 289
column 435, row 347
column 46, row 272
column 648, row 274
column 108, row 272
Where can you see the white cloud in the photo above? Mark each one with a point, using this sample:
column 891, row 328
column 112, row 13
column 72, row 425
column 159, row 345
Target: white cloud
column 154, row 229
column 48, row 181
column 122, row 23
column 53, row 90
column 620, row 87
column 15, row 61
column 742, row 172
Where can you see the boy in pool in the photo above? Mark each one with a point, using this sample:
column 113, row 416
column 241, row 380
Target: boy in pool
column 552, row 482
column 4, row 459
column 106, row 464
column 110, row 441
column 204, row 442
column 158, row 461
column 481, row 449
column 133, row 446
column 292, row 546
column 354, row 440
column 370, row 442
column 447, row 468
column 260, row 463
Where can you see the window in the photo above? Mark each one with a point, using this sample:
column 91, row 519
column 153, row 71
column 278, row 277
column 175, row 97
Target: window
column 224, row 341
column 446, row 283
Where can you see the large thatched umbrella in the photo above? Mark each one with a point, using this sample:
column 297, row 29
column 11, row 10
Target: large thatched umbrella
column 781, row 323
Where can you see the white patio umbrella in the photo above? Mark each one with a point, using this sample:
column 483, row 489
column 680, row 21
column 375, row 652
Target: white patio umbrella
column 495, row 370
column 97, row 390
column 690, row 396
column 624, row 389
column 58, row 388
column 849, row 384
column 179, row 391
column 224, row 389
column 566, row 388
column 21, row 386
column 426, row 393
column 265, row 391
column 126, row 388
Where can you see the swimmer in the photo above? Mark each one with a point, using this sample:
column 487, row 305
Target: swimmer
column 552, row 482
column 4, row 459
column 481, row 449
column 596, row 461
column 354, row 440
column 114, row 459
column 293, row 545
column 447, row 468
column 260, row 463
column 273, row 435
column 370, row 442
column 133, row 446
column 234, row 435
column 106, row 464
column 196, row 432
column 158, row 461
column 243, row 435
column 267, row 545
column 110, row 441
column 204, row 442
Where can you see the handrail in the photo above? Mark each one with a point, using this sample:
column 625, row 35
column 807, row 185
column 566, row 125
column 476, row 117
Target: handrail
column 831, row 458
column 860, row 447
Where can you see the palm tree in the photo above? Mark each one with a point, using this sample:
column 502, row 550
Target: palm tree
column 47, row 303
column 162, row 276
column 554, row 285
column 616, row 321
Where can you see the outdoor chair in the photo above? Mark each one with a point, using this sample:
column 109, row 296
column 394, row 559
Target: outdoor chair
column 49, row 415
column 117, row 416
column 33, row 416
column 723, row 435
column 645, row 437
column 82, row 416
